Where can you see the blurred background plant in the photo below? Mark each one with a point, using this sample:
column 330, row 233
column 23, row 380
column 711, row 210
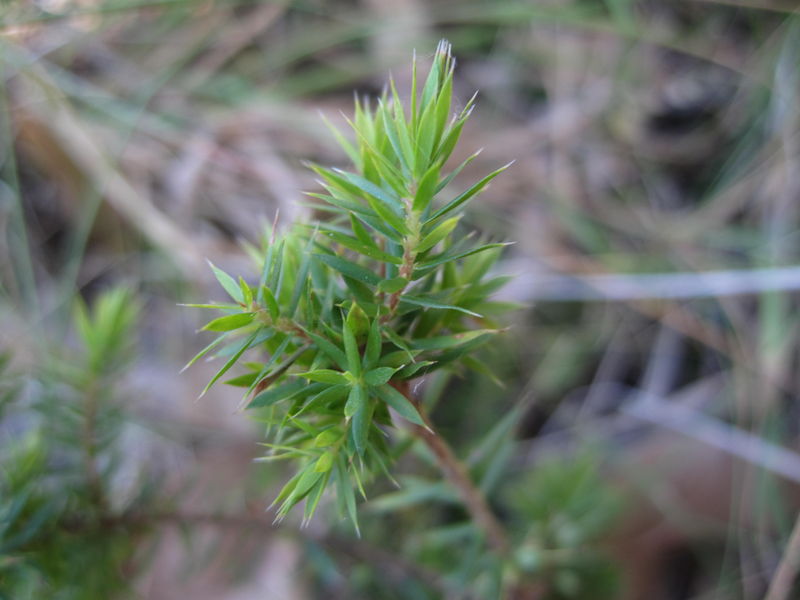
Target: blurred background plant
column 654, row 199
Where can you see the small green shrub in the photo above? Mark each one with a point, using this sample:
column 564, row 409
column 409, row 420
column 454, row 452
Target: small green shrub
column 351, row 309
column 60, row 536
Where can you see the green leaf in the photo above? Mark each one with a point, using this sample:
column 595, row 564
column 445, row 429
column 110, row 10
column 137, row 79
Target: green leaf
column 231, row 361
column 426, row 188
column 401, row 404
column 325, row 397
column 409, row 371
column 464, row 197
column 404, row 136
column 361, row 232
column 275, row 354
column 452, row 135
column 398, row 358
column 445, row 342
column 345, row 493
column 440, row 232
column 340, row 205
column 390, row 286
column 327, row 438
column 427, row 265
column 356, row 400
column 205, row 351
column 418, row 301
column 378, row 376
column 344, row 144
column 247, row 293
column 425, row 135
column 362, row 294
column 301, row 276
column 345, row 267
column 431, row 86
column 245, row 380
column 229, row 322
column 315, row 495
column 386, row 205
column 277, row 394
column 271, row 303
column 452, row 174
column 325, row 376
column 398, row 341
column 390, row 126
column 325, row 462
column 351, row 349
column 370, row 189
column 287, row 489
column 358, row 246
column 373, row 350
column 360, row 424
column 357, row 321
column 329, row 349
column 307, row 481
column 443, row 102
column 228, row 283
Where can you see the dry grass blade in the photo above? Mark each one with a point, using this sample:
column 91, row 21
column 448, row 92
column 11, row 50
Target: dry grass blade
column 93, row 159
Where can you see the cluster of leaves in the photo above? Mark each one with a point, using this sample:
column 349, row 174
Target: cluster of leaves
column 58, row 433
column 350, row 309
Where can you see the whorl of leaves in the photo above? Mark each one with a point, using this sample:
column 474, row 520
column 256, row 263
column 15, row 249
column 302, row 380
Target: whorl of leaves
column 386, row 289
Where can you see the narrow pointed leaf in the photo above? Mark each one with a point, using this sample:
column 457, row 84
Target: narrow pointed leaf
column 324, row 462
column 418, row 301
column 325, row 376
column 373, row 350
column 231, row 361
column 401, row 404
column 426, row 188
column 205, row 351
column 360, row 424
column 350, row 269
column 351, row 349
column 465, row 196
column 378, row 376
column 229, row 322
column 395, row 284
column 228, row 283
column 345, row 492
column 269, row 300
column 439, row 232
column 356, row 400
column 358, row 246
column 277, row 394
column 331, row 350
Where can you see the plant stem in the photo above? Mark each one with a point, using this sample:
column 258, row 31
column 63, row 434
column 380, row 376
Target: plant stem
column 89, row 441
column 456, row 473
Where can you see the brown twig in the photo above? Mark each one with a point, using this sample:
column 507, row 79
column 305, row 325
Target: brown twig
column 456, row 473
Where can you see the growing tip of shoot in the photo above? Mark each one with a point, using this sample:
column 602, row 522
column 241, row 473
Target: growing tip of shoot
column 444, row 48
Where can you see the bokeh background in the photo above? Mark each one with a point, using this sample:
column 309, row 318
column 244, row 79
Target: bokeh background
column 654, row 203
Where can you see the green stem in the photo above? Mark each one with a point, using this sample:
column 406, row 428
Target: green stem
column 89, row 442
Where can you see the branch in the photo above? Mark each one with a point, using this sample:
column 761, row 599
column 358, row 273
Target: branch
column 456, row 473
